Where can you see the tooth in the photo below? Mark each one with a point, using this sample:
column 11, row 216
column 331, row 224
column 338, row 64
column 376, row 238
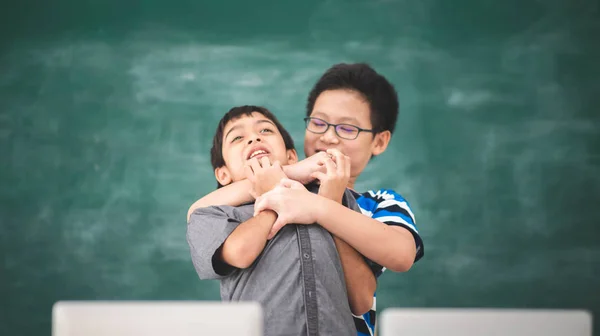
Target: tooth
column 258, row 152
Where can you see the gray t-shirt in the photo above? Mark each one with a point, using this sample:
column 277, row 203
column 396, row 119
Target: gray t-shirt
column 297, row 278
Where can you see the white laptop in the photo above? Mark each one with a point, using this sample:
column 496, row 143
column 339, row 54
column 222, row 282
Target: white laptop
column 156, row 318
column 484, row 322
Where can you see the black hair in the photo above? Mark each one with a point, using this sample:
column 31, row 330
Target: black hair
column 361, row 78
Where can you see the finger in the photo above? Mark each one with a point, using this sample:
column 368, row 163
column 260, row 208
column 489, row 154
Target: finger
column 331, row 166
column 343, row 165
column 334, row 154
column 323, row 161
column 255, row 164
column 347, row 166
column 319, row 176
column 249, row 173
column 288, row 183
column 293, row 184
column 319, row 155
column 333, row 151
column 265, row 162
column 253, row 193
column 279, row 223
column 262, row 203
column 339, row 160
column 285, row 182
column 322, row 168
column 256, row 206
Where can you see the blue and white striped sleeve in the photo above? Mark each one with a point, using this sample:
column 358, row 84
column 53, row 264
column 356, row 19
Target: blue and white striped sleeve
column 391, row 208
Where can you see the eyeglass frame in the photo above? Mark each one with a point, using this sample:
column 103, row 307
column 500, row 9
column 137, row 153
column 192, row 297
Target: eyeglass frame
column 307, row 119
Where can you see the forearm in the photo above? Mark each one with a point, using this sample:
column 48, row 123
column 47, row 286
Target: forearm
column 234, row 194
column 248, row 240
column 360, row 280
column 289, row 171
column 391, row 247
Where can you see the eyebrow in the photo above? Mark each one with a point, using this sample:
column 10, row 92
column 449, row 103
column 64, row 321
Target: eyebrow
column 342, row 120
column 256, row 123
column 231, row 130
column 264, row 121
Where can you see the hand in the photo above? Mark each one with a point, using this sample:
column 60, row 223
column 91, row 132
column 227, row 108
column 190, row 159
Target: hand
column 335, row 180
column 263, row 175
column 301, row 171
column 292, row 203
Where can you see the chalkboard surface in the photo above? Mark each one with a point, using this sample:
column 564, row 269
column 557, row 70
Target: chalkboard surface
column 107, row 109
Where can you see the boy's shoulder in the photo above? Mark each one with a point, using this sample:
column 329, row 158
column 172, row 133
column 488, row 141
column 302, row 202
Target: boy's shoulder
column 375, row 197
column 241, row 212
column 386, row 203
column 382, row 194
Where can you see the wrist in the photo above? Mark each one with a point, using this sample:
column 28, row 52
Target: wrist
column 333, row 198
column 288, row 170
column 321, row 206
column 267, row 217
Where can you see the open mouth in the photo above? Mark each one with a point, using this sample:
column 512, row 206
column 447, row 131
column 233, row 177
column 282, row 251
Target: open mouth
column 258, row 152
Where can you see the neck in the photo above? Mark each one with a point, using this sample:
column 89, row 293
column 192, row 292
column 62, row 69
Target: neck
column 351, row 182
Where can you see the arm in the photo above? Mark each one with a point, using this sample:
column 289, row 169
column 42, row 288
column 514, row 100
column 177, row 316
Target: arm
column 234, row 194
column 247, row 241
column 239, row 192
column 360, row 280
column 395, row 248
column 207, row 230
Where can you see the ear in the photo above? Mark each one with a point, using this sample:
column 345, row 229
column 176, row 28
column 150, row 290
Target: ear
column 223, row 175
column 292, row 156
column 380, row 142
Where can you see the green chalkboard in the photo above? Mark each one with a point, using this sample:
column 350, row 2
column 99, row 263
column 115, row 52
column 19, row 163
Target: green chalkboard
column 107, row 109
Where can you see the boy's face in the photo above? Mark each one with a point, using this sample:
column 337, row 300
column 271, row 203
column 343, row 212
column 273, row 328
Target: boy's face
column 250, row 137
column 345, row 107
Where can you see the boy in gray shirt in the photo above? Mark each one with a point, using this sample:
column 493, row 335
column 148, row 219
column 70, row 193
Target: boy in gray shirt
column 296, row 276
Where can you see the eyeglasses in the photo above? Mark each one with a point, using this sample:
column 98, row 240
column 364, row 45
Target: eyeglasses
column 344, row 131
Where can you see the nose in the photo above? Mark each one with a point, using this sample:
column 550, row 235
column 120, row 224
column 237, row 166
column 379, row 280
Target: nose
column 329, row 136
column 255, row 138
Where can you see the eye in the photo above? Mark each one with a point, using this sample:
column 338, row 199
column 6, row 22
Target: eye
column 266, row 130
column 318, row 123
column 236, row 138
column 349, row 129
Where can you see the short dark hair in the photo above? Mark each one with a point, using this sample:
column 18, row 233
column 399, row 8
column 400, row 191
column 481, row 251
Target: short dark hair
column 361, row 78
column 216, row 151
